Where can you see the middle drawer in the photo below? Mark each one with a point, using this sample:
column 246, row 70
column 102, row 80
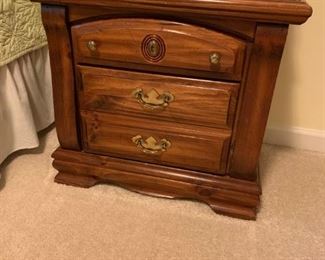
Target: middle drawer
column 179, row 100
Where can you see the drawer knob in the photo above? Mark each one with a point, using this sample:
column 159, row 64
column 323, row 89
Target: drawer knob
column 215, row 58
column 153, row 48
column 92, row 45
column 151, row 145
column 153, row 100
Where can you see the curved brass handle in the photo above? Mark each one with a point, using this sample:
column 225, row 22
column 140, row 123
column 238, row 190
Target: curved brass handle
column 151, row 145
column 153, row 100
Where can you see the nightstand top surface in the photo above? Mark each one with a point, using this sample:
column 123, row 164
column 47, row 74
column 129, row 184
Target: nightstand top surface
column 278, row 11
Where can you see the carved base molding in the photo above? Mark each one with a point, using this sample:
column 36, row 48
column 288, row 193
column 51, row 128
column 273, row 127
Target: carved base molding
column 225, row 195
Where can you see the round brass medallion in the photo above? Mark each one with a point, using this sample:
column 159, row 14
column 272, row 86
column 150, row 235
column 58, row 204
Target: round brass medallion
column 153, row 48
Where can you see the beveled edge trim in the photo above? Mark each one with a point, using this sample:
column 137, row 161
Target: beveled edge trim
column 250, row 187
column 276, row 11
column 86, row 170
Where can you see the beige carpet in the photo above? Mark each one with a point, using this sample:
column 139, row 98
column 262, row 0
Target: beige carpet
column 43, row 220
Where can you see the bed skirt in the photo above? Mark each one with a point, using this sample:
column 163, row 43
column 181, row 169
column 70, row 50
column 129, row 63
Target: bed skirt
column 26, row 101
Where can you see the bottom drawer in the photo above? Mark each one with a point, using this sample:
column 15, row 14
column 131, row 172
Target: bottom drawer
column 188, row 147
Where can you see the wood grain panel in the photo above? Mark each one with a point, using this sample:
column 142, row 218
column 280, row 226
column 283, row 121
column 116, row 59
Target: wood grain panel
column 198, row 102
column 54, row 19
column 196, row 148
column 256, row 100
column 187, row 46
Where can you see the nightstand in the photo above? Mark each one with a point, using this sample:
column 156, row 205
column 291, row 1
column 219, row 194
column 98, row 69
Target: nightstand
column 167, row 98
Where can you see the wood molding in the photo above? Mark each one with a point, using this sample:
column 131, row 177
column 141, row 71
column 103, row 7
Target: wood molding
column 256, row 100
column 239, row 28
column 289, row 11
column 295, row 137
column 224, row 195
column 54, row 19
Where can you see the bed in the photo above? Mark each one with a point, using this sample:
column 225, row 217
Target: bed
column 26, row 105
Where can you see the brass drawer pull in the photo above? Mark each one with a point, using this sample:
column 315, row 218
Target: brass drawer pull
column 92, row 45
column 153, row 100
column 151, row 145
column 153, row 48
column 215, row 58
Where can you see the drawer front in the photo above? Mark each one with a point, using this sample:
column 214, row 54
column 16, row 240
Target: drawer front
column 160, row 43
column 197, row 102
column 160, row 143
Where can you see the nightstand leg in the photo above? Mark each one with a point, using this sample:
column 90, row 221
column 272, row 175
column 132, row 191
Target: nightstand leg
column 81, row 181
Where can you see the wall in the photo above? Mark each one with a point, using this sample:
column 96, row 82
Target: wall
column 297, row 116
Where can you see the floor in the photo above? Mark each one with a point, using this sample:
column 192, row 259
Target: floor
column 43, row 220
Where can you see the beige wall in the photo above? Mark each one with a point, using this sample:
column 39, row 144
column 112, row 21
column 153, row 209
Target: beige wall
column 299, row 99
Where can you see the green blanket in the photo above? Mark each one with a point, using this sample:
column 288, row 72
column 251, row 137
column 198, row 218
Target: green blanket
column 21, row 29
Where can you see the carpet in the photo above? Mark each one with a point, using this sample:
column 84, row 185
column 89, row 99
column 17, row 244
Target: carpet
column 43, row 220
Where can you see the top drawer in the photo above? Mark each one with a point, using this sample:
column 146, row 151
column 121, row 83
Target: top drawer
column 163, row 44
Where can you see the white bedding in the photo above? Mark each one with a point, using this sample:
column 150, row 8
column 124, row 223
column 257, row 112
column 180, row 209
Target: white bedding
column 26, row 105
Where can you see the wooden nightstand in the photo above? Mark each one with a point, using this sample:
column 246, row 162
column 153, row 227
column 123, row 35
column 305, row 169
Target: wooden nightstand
column 167, row 98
